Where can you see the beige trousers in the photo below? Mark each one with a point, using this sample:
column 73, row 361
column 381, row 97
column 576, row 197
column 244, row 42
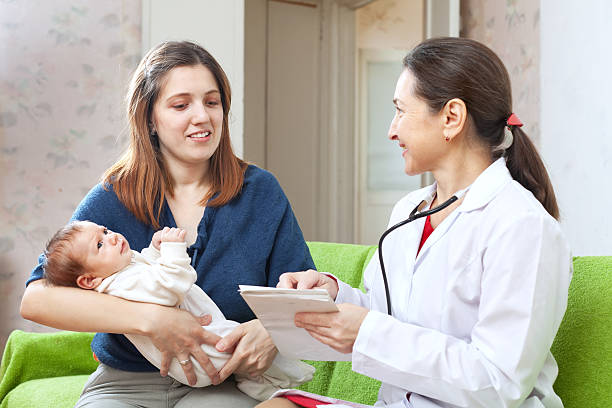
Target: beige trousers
column 109, row 387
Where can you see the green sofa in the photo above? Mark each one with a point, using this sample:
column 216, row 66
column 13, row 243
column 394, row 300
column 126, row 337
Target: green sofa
column 49, row 369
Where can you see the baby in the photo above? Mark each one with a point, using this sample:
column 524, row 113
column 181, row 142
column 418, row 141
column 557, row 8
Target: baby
column 89, row 256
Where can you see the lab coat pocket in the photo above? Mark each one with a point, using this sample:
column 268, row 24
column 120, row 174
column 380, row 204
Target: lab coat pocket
column 463, row 298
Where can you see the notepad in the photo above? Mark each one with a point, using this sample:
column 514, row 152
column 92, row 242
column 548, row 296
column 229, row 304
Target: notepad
column 276, row 309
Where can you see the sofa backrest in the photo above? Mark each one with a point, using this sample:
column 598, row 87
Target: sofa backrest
column 583, row 346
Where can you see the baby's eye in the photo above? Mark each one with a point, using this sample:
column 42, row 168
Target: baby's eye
column 105, row 231
column 99, row 244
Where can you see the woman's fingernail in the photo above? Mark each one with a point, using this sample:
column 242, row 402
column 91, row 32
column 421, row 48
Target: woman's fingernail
column 220, row 346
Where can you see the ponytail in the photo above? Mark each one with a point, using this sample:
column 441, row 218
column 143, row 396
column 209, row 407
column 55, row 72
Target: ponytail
column 526, row 167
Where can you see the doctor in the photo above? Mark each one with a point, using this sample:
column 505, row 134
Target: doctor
column 478, row 289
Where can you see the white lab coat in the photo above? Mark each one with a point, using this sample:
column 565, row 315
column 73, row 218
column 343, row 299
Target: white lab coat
column 475, row 313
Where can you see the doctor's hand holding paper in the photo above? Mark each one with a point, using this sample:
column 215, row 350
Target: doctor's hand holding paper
column 338, row 330
column 475, row 289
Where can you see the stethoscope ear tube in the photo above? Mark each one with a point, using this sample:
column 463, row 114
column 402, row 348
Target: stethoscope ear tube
column 414, row 215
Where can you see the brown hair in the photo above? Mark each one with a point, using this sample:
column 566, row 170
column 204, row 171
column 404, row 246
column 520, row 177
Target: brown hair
column 62, row 267
column 140, row 178
column 447, row 68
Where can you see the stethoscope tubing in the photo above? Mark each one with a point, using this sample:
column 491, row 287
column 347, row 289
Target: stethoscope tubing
column 414, row 215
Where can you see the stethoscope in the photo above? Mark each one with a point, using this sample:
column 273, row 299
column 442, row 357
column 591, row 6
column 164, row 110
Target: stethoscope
column 415, row 214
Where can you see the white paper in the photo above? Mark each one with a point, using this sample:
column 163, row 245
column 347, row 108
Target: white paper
column 276, row 309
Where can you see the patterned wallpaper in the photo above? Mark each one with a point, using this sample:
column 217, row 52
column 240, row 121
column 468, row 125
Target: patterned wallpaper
column 388, row 24
column 64, row 67
column 512, row 29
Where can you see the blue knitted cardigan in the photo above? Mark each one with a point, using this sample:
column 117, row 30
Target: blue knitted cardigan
column 250, row 240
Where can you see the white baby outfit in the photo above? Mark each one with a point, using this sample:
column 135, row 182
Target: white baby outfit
column 166, row 278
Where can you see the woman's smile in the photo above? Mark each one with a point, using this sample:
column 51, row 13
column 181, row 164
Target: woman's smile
column 200, row 135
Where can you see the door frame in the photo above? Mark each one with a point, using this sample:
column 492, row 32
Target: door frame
column 336, row 154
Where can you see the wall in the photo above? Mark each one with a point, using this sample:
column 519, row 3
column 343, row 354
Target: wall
column 558, row 59
column 512, row 29
column 216, row 25
column 576, row 135
column 64, row 67
column 390, row 24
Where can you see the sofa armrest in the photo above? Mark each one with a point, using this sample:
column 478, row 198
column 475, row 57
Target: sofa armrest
column 29, row 356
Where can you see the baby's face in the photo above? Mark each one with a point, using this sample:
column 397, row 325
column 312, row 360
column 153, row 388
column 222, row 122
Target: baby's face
column 103, row 252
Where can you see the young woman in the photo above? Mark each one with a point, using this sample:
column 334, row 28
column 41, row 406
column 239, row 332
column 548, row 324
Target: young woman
column 179, row 171
column 478, row 289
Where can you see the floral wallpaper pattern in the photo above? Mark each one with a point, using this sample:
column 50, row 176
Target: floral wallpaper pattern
column 512, row 29
column 64, row 67
column 390, row 24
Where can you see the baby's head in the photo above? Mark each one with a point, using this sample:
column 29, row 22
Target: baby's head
column 82, row 254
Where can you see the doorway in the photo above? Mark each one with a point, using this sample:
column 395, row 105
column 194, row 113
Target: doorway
column 306, row 116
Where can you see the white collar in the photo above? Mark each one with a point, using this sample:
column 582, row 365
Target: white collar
column 486, row 186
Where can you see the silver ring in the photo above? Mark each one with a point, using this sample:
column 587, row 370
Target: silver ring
column 184, row 362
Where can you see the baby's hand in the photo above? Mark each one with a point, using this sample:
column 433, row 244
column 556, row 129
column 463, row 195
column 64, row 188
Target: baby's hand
column 168, row 235
column 173, row 235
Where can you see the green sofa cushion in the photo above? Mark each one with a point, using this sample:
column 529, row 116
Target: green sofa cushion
column 31, row 358
column 56, row 392
column 583, row 346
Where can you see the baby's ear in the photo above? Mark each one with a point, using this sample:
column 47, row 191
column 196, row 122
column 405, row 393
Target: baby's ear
column 87, row 281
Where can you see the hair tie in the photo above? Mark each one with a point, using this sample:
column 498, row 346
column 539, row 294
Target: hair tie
column 513, row 120
column 508, row 139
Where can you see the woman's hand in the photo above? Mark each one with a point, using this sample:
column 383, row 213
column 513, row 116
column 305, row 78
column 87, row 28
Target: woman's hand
column 178, row 334
column 336, row 329
column 253, row 350
column 307, row 280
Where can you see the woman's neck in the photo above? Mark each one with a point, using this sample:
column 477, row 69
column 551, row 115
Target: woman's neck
column 459, row 171
column 188, row 176
column 190, row 186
